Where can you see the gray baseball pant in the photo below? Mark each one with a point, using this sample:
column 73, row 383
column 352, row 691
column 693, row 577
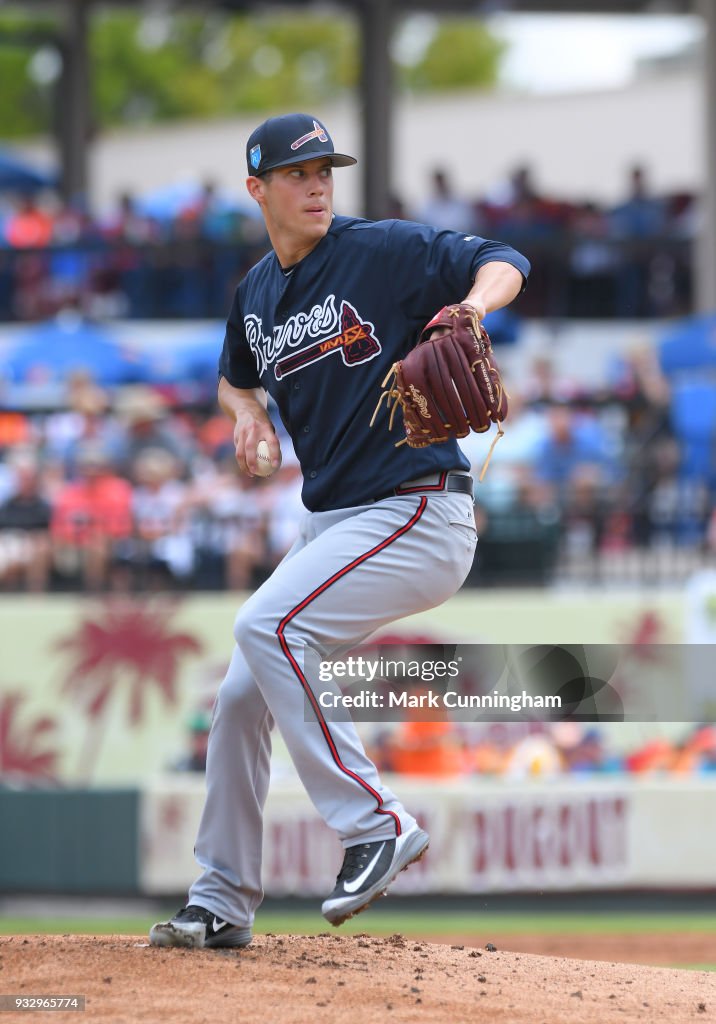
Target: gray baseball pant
column 350, row 572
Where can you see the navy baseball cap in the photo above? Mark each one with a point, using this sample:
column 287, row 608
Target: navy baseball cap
column 290, row 139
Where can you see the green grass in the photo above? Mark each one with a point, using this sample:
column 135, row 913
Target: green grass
column 411, row 924
column 407, row 923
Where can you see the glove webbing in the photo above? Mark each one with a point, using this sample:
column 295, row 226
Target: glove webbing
column 399, row 401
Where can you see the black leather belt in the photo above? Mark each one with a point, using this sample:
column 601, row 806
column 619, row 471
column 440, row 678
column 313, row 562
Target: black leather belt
column 434, row 483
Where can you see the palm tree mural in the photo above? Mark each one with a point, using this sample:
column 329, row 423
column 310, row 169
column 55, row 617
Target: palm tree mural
column 25, row 753
column 126, row 646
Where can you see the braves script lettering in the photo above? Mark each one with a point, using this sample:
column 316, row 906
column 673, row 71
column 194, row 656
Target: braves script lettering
column 343, row 332
column 320, row 321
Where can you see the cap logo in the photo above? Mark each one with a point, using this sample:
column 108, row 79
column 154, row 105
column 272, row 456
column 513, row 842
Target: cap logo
column 317, row 133
column 255, row 157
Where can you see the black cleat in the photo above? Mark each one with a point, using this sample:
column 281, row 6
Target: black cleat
column 368, row 869
column 194, row 927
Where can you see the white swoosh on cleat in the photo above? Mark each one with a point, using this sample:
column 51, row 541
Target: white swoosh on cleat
column 358, row 882
column 218, row 925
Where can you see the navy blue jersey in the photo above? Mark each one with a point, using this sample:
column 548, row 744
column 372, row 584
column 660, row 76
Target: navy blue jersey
column 321, row 339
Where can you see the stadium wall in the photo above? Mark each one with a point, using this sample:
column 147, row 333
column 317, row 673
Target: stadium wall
column 102, row 691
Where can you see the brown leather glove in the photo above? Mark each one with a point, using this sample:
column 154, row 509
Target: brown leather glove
column 449, row 383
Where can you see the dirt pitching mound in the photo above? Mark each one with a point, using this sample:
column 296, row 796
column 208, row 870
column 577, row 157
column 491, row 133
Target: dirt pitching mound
column 657, row 949
column 295, row 979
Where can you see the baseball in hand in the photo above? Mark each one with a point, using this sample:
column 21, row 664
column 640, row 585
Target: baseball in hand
column 263, row 460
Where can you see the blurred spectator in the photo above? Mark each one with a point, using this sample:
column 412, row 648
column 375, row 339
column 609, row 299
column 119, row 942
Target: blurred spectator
column 677, row 508
column 228, row 525
column 640, row 215
column 25, row 551
column 122, row 281
column 682, row 215
column 582, row 748
column 644, row 392
column 428, row 748
column 544, row 384
column 205, row 217
column 30, row 226
column 654, row 756
column 585, row 513
column 215, row 435
column 144, row 414
column 573, row 442
column 445, row 210
column 700, row 750
column 593, row 262
column 31, row 294
column 127, row 224
column 69, row 261
column 636, row 223
column 533, row 757
column 15, row 429
column 195, row 758
column 427, row 743
column 83, row 421
column 90, row 516
column 160, row 551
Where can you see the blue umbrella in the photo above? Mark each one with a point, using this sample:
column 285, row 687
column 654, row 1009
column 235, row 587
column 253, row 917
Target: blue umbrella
column 17, row 176
column 168, row 201
column 50, row 351
column 192, row 359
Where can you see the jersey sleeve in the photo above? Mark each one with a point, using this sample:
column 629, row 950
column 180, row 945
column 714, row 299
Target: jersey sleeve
column 431, row 268
column 236, row 362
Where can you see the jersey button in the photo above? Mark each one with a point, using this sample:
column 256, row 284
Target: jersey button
column 296, row 386
column 313, row 474
column 306, row 430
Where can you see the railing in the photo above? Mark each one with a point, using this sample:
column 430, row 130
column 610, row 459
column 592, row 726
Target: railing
column 572, row 276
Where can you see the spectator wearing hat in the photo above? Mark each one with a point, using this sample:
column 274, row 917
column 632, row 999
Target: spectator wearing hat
column 195, row 758
column 83, row 420
column 143, row 414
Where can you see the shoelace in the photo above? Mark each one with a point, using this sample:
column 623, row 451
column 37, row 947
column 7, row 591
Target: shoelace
column 355, row 858
column 192, row 913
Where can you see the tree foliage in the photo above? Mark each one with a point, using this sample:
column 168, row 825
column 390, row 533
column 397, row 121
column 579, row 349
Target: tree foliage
column 152, row 66
column 460, row 55
column 25, row 107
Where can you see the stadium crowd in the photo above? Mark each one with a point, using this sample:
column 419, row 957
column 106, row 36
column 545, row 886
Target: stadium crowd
column 168, row 257
column 121, row 490
column 135, row 496
column 127, row 488
column 447, row 749
column 428, row 748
